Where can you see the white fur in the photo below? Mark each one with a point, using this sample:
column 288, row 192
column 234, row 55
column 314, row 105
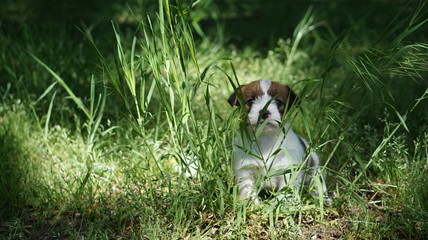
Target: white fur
column 256, row 157
column 258, row 105
column 265, row 85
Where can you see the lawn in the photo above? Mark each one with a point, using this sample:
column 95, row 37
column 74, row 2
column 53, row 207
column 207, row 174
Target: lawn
column 114, row 121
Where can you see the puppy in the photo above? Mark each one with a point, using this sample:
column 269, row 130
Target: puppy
column 266, row 149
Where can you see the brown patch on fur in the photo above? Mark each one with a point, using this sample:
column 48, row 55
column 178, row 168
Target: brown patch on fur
column 254, row 90
column 283, row 93
column 247, row 92
column 251, row 91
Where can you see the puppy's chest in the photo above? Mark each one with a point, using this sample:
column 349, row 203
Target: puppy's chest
column 265, row 151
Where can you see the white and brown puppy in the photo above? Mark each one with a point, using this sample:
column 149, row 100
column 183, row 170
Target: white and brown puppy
column 266, row 149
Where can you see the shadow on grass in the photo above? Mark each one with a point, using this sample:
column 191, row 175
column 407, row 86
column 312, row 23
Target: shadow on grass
column 260, row 24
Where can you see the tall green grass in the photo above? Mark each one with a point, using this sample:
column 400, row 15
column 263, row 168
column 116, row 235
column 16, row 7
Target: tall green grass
column 159, row 167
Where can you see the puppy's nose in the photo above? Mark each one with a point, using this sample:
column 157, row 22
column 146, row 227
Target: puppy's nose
column 265, row 114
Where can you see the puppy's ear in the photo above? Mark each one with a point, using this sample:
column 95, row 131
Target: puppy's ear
column 233, row 98
column 292, row 98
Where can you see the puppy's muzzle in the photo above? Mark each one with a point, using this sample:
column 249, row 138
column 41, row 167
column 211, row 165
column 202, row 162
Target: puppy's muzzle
column 264, row 115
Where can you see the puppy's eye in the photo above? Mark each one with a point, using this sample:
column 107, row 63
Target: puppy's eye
column 279, row 103
column 250, row 101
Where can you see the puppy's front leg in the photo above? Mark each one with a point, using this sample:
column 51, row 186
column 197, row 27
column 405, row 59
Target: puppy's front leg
column 246, row 181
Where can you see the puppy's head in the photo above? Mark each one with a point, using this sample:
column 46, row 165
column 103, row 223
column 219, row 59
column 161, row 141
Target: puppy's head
column 265, row 101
